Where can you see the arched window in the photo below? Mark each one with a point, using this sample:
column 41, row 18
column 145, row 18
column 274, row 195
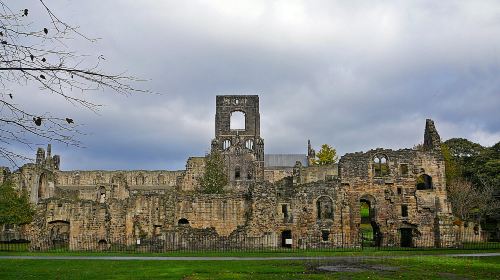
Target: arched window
column 249, row 144
column 380, row 166
column 139, row 180
column 76, row 179
column 161, row 179
column 424, row 182
column 226, row 144
column 102, row 194
column 42, row 186
column 183, row 221
column 237, row 173
column 237, row 121
column 324, row 207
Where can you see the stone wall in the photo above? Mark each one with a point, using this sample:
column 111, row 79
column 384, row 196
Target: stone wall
column 302, row 207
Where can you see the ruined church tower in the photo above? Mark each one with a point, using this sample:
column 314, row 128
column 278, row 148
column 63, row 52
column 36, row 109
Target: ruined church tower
column 237, row 137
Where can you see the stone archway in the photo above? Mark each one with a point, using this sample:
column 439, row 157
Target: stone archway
column 59, row 233
column 369, row 228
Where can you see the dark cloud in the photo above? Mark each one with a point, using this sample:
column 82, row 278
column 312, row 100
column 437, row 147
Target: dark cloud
column 353, row 74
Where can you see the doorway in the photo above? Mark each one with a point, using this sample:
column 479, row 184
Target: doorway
column 369, row 229
column 286, row 239
column 406, row 237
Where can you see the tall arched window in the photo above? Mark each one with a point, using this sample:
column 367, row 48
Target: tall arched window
column 226, row 144
column 76, row 179
column 324, row 208
column 161, row 179
column 237, row 120
column 249, row 144
column 139, row 180
column 237, row 173
column 380, row 166
column 42, row 186
column 102, row 194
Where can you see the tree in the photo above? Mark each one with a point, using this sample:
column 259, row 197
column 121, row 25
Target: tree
column 38, row 55
column 470, row 203
column 451, row 166
column 15, row 208
column 473, row 162
column 215, row 178
column 327, row 155
column 463, row 148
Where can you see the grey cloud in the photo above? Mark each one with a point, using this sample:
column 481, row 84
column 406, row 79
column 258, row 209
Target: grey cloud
column 353, row 74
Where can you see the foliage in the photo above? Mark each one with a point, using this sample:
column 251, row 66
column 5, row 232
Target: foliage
column 463, row 148
column 452, row 170
column 472, row 178
column 327, row 155
column 215, row 178
column 473, row 162
column 33, row 53
column 469, row 202
column 15, row 207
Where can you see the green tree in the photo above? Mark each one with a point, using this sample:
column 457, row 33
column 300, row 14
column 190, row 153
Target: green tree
column 214, row 179
column 463, row 148
column 472, row 162
column 327, row 155
column 15, row 208
column 451, row 167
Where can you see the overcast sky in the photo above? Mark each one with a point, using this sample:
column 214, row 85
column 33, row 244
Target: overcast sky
column 354, row 74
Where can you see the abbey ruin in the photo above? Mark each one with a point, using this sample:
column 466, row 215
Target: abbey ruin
column 270, row 200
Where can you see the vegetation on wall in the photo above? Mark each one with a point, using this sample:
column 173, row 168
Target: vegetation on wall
column 15, row 208
column 214, row 179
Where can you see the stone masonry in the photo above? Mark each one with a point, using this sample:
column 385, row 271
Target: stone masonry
column 300, row 205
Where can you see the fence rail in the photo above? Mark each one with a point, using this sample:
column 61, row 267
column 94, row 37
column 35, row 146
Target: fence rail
column 246, row 244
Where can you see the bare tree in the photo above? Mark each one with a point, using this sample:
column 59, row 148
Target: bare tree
column 470, row 203
column 40, row 56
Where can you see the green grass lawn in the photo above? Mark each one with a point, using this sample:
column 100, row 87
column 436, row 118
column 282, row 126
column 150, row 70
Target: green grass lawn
column 415, row 267
column 364, row 210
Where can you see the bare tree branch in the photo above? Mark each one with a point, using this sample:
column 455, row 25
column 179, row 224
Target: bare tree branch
column 30, row 56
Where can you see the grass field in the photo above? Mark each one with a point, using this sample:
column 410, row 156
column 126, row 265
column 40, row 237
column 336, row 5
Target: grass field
column 414, row 267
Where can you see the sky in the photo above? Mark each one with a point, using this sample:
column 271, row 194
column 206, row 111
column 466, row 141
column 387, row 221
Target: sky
column 354, row 74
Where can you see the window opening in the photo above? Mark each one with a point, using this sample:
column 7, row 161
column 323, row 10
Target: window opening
column 404, row 210
column 284, row 210
column 325, row 234
column 380, row 166
column 226, row 144
column 249, row 144
column 324, row 207
column 237, row 121
column 404, row 169
column 237, row 172
column 424, row 182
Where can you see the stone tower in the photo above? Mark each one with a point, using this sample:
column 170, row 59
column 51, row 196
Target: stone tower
column 241, row 146
column 432, row 141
